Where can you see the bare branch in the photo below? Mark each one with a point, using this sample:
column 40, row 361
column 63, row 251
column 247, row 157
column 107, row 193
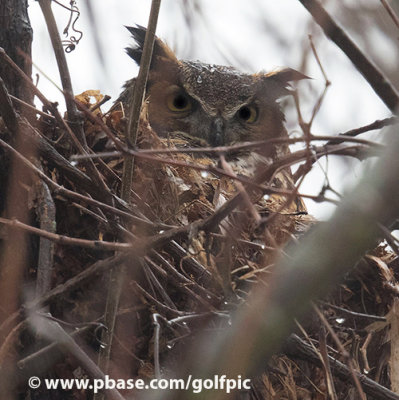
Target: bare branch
column 73, row 114
column 138, row 96
column 381, row 85
column 297, row 348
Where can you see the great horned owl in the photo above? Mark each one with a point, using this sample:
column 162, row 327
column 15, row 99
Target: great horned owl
column 212, row 105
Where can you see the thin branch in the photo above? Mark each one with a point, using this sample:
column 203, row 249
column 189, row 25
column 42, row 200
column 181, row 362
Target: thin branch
column 157, row 287
column 139, row 290
column 316, row 56
column 50, row 106
column 381, row 85
column 66, row 240
column 359, row 152
column 73, row 114
column 6, row 109
column 295, row 347
column 138, row 96
column 342, row 350
column 378, row 124
column 157, row 328
column 117, row 275
column 71, row 284
column 184, row 283
column 42, row 360
column 391, row 12
column 46, row 212
column 326, row 364
column 58, row 189
column 52, row 330
column 353, row 313
column 244, row 194
column 32, row 108
column 241, row 147
column 327, row 83
column 81, row 147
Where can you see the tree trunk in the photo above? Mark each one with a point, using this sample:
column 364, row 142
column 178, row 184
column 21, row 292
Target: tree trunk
column 15, row 36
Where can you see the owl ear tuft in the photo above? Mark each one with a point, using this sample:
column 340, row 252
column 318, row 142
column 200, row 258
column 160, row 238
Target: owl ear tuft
column 161, row 51
column 279, row 81
column 286, row 75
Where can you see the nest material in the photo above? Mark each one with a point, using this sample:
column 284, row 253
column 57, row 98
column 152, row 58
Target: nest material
column 208, row 271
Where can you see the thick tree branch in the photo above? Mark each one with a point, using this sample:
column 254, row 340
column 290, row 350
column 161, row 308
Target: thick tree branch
column 381, row 85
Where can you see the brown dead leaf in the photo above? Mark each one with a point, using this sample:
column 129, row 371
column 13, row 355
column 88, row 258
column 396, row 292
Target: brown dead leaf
column 86, row 97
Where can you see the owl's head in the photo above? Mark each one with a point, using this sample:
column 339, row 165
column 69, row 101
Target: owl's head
column 215, row 105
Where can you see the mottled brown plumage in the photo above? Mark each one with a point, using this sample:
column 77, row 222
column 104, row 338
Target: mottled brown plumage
column 214, row 105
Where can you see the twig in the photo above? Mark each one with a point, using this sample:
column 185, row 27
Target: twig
column 326, row 364
column 30, row 107
column 156, row 285
column 6, row 109
column 179, row 320
column 284, row 162
column 391, row 12
column 342, row 351
column 327, row 83
column 52, row 330
column 241, row 189
column 117, row 275
column 195, row 268
column 378, row 124
column 155, row 302
column 46, row 215
column 353, row 313
column 236, row 148
column 100, row 103
column 295, row 347
column 58, row 189
column 77, row 126
column 50, row 106
column 66, row 240
column 316, row 56
column 182, row 283
column 381, row 85
column 157, row 328
column 101, row 219
column 273, row 215
column 359, row 152
column 97, row 120
column 60, row 290
column 41, row 360
column 138, row 96
column 363, row 352
column 73, row 114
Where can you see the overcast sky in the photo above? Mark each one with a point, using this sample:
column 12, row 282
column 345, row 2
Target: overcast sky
column 253, row 35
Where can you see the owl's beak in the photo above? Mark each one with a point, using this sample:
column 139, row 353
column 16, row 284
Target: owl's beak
column 216, row 137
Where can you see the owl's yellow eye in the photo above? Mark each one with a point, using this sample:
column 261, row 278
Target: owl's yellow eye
column 179, row 102
column 248, row 114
